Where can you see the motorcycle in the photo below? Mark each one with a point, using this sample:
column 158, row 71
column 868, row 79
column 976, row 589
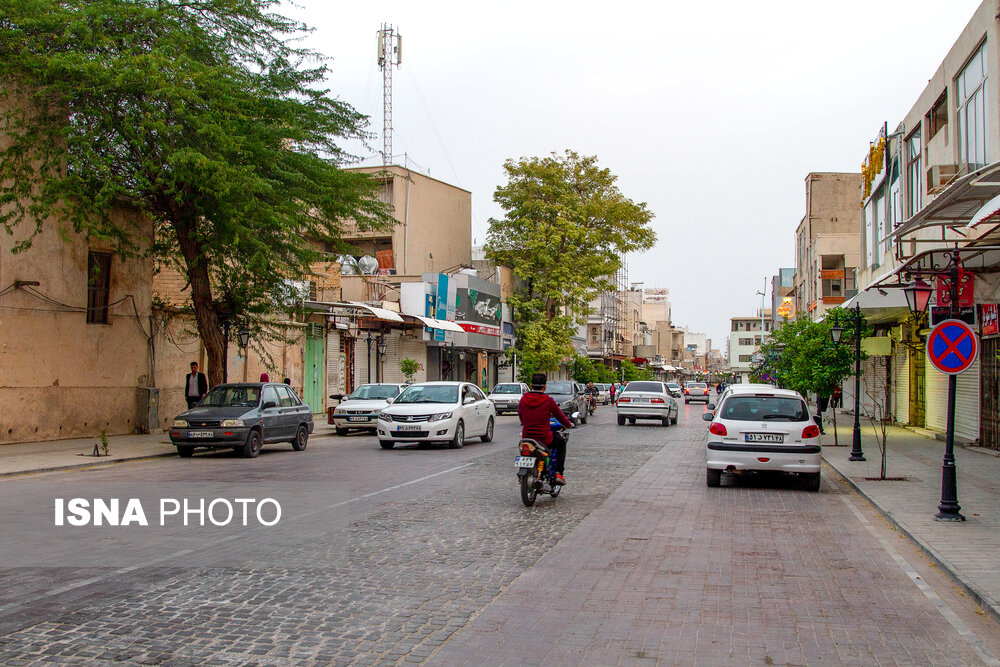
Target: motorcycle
column 591, row 403
column 535, row 466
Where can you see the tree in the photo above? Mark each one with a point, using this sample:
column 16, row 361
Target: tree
column 630, row 372
column 802, row 356
column 582, row 369
column 565, row 229
column 199, row 116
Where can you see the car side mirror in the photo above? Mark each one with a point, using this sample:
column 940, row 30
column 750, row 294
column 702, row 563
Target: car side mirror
column 337, row 397
column 468, row 400
column 270, row 404
column 390, row 400
column 710, row 406
column 708, row 416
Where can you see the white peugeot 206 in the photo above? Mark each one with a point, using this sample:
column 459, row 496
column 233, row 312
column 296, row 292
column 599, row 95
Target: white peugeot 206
column 762, row 430
column 447, row 412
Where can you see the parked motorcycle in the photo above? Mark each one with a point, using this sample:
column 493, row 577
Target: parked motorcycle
column 535, row 466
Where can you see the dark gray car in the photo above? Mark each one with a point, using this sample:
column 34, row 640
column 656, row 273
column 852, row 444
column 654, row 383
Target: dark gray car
column 243, row 416
column 568, row 396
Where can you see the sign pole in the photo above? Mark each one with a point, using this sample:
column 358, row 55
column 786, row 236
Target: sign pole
column 949, row 509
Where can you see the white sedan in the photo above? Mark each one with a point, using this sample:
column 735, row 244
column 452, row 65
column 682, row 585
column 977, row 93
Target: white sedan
column 360, row 408
column 437, row 412
column 646, row 399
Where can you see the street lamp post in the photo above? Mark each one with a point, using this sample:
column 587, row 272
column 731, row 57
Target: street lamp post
column 368, row 359
column 380, row 348
column 243, row 338
column 836, row 332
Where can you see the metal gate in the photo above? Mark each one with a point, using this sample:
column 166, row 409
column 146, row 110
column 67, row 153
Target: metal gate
column 989, row 379
column 313, row 384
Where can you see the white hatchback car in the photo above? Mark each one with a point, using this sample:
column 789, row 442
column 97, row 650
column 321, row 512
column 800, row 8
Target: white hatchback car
column 762, row 429
column 646, row 399
column 506, row 396
column 437, row 412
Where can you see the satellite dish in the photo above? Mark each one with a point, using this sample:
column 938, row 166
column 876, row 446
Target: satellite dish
column 368, row 265
column 348, row 265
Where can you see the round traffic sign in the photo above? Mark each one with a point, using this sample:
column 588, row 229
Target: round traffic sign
column 952, row 346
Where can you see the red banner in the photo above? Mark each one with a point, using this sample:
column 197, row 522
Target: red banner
column 966, row 297
column 988, row 319
column 479, row 329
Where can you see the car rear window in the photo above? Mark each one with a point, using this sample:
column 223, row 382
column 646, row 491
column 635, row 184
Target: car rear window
column 644, row 386
column 754, row 408
column 561, row 387
column 696, row 385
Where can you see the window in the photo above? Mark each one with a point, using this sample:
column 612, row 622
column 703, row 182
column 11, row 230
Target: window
column 98, row 286
column 746, row 341
column 971, row 103
column 745, row 358
column 288, row 398
column 937, row 118
column 914, row 183
column 270, row 395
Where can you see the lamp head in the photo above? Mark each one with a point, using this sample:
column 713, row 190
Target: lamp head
column 918, row 295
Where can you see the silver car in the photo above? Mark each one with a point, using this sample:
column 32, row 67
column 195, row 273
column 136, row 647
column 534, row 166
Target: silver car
column 506, row 396
column 646, row 399
column 360, row 408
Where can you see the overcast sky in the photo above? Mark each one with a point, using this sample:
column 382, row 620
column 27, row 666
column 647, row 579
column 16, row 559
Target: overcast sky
column 710, row 112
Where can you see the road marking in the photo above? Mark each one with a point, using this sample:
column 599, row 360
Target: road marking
column 925, row 588
column 125, row 570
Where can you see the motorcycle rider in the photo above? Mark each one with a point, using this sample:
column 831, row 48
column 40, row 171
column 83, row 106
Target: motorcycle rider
column 534, row 411
column 591, row 394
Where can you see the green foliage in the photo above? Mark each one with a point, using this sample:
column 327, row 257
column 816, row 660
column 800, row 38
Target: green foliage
column 409, row 367
column 631, row 372
column 565, row 229
column 802, row 356
column 604, row 374
column 582, row 369
column 202, row 118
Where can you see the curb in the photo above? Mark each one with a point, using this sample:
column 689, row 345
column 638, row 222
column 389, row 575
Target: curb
column 81, row 466
column 984, row 601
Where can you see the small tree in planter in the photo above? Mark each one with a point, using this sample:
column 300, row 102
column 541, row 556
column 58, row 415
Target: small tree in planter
column 409, row 368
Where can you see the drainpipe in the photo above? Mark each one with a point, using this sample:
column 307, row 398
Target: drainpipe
column 406, row 211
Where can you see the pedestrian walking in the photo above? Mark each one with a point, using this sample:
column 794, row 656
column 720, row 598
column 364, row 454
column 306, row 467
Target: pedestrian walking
column 837, row 399
column 195, row 386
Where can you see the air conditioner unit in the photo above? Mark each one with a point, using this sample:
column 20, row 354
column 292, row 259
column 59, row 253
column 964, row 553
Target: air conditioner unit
column 939, row 176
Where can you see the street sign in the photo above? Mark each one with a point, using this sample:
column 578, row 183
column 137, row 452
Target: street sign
column 952, row 346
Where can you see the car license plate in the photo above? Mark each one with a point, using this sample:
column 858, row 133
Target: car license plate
column 408, row 427
column 763, row 437
column 524, row 462
column 640, row 400
column 357, row 419
column 201, row 434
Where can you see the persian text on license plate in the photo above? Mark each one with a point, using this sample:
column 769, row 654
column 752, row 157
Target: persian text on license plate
column 764, row 437
column 408, row 427
column 200, row 434
column 524, row 462
column 357, row 419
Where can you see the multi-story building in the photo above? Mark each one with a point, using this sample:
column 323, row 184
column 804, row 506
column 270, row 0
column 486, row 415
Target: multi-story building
column 926, row 192
column 827, row 243
column 745, row 337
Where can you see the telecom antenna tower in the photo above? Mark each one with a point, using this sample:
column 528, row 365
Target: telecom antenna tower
column 390, row 52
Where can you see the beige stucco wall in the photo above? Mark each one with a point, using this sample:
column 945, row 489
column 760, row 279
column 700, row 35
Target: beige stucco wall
column 61, row 377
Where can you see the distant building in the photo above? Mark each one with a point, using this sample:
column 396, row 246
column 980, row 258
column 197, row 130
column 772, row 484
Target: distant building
column 783, row 297
column 745, row 337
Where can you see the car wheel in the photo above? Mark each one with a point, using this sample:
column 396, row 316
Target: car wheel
column 185, row 451
column 386, row 444
column 488, row 436
column 301, row 439
column 713, row 477
column 252, row 447
column 673, row 420
column 621, row 420
column 459, row 440
column 340, row 431
column 686, row 401
column 812, row 481
column 665, row 421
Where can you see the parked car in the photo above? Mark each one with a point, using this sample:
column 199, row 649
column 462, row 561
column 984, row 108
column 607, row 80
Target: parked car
column 437, row 412
column 696, row 391
column 506, row 396
column 243, row 416
column 646, row 399
column 762, row 429
column 568, row 397
column 603, row 392
column 360, row 408
column 674, row 389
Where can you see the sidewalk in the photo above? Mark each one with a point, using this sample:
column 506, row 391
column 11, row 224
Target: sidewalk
column 31, row 457
column 968, row 550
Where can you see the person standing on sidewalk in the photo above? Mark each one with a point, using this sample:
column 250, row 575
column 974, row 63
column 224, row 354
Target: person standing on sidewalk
column 195, row 386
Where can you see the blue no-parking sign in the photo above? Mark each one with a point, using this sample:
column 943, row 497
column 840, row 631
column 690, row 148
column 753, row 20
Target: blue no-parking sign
column 952, row 346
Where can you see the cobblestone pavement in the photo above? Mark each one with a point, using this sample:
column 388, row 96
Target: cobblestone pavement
column 637, row 562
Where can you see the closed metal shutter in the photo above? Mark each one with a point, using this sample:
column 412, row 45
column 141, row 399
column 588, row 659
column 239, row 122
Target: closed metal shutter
column 902, row 379
column 966, row 402
column 334, row 364
column 416, row 349
column 989, row 381
column 391, row 359
column 361, row 361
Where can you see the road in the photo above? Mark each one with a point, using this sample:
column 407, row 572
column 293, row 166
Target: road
column 426, row 555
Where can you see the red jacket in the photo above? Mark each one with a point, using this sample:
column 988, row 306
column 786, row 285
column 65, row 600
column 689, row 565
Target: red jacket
column 534, row 411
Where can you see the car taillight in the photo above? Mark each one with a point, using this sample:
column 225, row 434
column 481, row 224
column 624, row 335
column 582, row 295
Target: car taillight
column 624, row 399
column 717, row 429
column 811, row 431
column 525, row 449
column 686, row 390
column 656, row 400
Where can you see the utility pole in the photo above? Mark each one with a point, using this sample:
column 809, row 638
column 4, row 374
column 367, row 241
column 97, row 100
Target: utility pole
column 390, row 52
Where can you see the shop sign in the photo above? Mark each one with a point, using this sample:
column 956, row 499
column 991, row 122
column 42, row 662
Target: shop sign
column 787, row 308
column 988, row 317
column 941, row 313
column 966, row 295
column 478, row 312
column 873, row 169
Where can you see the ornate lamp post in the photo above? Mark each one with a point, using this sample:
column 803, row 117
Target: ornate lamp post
column 243, row 338
column 836, row 332
column 380, row 348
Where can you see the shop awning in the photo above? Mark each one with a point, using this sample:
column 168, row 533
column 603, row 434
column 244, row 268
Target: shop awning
column 880, row 305
column 958, row 205
column 432, row 323
column 374, row 311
